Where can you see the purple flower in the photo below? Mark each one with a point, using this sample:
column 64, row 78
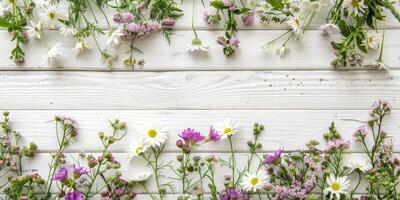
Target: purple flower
column 213, row 135
column 271, row 158
column 338, row 144
column 190, row 136
column 79, row 170
column 74, row 196
column 230, row 193
column 133, row 27
column 221, row 41
column 234, row 41
column 117, row 18
column 128, row 17
column 168, row 23
column 248, row 20
column 61, row 175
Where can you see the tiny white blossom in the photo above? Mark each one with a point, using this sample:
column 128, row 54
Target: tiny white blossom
column 114, row 38
column 67, row 31
column 141, row 176
column 253, row 182
column 81, row 46
column 329, row 29
column 372, row 40
column 35, row 29
column 196, row 45
column 7, row 5
column 296, row 25
column 282, row 51
column 51, row 16
column 53, row 53
column 358, row 164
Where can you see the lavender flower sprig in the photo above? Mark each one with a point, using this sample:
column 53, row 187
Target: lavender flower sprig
column 229, row 10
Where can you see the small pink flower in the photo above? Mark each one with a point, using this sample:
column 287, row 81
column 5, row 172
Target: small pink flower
column 128, row 17
column 133, row 27
column 234, row 41
column 168, row 23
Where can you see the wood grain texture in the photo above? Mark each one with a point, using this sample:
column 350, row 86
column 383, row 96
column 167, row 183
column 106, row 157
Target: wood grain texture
column 198, row 90
column 313, row 52
column 283, row 128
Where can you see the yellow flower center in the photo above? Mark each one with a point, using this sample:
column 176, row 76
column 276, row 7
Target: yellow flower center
column 139, row 150
column 152, row 133
column 335, row 186
column 354, row 3
column 254, row 181
column 52, row 15
column 227, row 131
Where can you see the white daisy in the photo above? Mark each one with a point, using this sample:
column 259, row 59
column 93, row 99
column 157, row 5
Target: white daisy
column 253, row 182
column 35, row 29
column 141, row 176
column 42, row 3
column 196, row 45
column 7, row 5
column 53, row 53
column 51, row 16
column 67, row 31
column 358, row 164
column 114, row 38
column 296, row 25
column 336, row 186
column 81, row 46
column 137, row 148
column 353, row 6
column 154, row 135
column 372, row 40
column 228, row 128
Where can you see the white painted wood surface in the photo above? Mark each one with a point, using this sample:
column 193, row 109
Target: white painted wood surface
column 296, row 97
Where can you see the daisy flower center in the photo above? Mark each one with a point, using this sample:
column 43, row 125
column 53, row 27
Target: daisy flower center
column 52, row 15
column 227, row 130
column 354, row 3
column 152, row 133
column 335, row 186
column 254, row 181
column 139, row 150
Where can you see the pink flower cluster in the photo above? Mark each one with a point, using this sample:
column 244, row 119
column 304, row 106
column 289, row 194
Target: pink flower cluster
column 297, row 189
column 338, row 144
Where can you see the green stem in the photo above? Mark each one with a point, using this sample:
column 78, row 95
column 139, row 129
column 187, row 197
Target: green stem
column 233, row 160
column 392, row 9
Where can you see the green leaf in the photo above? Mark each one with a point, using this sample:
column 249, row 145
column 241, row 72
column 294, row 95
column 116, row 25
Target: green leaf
column 276, row 4
column 217, row 4
column 4, row 23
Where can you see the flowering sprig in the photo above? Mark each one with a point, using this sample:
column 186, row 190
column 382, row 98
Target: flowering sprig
column 19, row 183
column 66, row 130
column 350, row 16
column 382, row 176
column 150, row 146
column 228, row 11
column 296, row 15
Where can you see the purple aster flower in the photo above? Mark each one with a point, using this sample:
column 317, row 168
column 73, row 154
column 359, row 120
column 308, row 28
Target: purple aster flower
column 190, row 136
column 127, row 17
column 271, row 158
column 168, row 23
column 79, row 170
column 74, row 196
column 133, row 27
column 248, row 19
column 61, row 175
column 234, row 41
column 213, row 135
column 117, row 18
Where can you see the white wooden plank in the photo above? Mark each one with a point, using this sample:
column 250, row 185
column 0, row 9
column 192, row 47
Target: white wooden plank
column 131, row 166
column 314, row 52
column 283, row 128
column 198, row 90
